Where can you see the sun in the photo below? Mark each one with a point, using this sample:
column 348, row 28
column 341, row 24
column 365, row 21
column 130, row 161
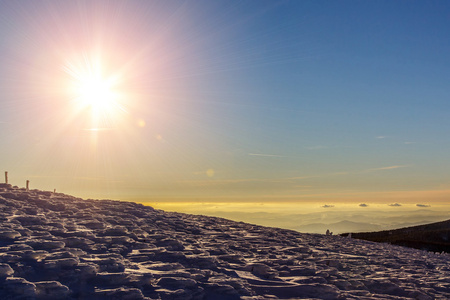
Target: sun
column 93, row 93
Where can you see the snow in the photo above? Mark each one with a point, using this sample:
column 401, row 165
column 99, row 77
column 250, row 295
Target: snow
column 55, row 246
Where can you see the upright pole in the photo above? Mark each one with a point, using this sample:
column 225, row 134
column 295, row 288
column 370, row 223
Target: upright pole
column 6, row 177
column 28, row 185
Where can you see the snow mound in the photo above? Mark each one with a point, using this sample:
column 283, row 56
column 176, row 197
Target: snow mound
column 54, row 246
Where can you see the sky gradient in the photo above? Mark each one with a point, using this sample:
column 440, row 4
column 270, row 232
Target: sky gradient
column 298, row 102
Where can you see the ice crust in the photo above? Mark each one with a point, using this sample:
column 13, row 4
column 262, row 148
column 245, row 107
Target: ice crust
column 55, row 246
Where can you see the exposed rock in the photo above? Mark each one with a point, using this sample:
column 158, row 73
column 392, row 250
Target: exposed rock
column 19, row 288
column 9, row 234
column 5, row 270
column 260, row 269
column 175, row 283
column 51, row 290
column 121, row 293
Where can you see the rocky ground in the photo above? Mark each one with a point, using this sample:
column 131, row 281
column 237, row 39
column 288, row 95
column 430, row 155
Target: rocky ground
column 55, row 246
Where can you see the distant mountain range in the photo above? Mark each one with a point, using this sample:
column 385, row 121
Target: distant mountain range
column 339, row 227
column 339, row 221
column 431, row 237
column 351, row 226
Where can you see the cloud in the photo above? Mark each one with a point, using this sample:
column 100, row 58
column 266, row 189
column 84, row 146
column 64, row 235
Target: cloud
column 303, row 177
column 319, row 176
column 386, row 168
column 381, row 137
column 363, row 205
column 327, row 205
column 395, row 204
column 423, row 205
column 265, row 155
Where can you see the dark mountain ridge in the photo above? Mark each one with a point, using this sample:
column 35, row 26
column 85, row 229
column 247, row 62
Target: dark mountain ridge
column 431, row 237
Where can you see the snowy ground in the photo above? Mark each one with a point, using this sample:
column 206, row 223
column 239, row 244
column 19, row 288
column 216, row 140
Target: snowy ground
column 54, row 246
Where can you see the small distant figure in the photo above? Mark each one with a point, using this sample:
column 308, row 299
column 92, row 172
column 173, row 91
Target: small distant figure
column 28, row 185
column 6, row 177
column 349, row 235
column 328, row 232
column 54, row 191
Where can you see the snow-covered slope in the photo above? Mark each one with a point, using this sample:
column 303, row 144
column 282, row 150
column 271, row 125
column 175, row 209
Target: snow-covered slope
column 54, row 246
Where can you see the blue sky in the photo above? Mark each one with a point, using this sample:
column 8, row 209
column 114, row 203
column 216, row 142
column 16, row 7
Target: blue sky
column 298, row 101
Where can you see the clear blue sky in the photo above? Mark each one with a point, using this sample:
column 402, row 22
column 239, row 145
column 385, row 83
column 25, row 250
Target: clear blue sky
column 298, row 101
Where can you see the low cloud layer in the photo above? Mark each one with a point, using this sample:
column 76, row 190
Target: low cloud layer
column 265, row 155
column 327, row 205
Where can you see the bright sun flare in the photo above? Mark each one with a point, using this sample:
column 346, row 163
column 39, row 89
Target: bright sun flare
column 96, row 93
column 91, row 91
